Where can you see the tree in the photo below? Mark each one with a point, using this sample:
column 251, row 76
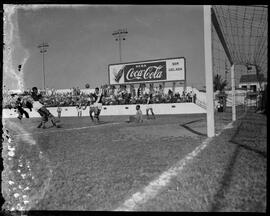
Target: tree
column 219, row 83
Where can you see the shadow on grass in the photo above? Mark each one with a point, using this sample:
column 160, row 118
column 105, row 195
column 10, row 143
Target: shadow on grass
column 261, row 153
column 191, row 130
column 227, row 177
column 225, row 183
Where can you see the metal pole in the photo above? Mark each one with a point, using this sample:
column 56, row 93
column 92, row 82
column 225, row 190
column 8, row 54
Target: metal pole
column 209, row 72
column 119, row 36
column 120, row 54
column 43, row 70
column 233, row 94
column 173, row 88
column 43, row 49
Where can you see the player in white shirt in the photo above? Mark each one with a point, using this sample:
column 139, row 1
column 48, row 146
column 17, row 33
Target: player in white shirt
column 149, row 106
column 91, row 106
column 79, row 109
column 59, row 110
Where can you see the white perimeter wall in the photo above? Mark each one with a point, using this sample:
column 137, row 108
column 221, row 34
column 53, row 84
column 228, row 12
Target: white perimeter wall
column 239, row 97
column 159, row 109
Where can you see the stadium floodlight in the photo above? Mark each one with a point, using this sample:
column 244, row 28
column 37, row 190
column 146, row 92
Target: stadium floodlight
column 120, row 35
column 43, row 49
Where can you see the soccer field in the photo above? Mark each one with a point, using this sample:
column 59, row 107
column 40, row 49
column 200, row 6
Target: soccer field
column 87, row 166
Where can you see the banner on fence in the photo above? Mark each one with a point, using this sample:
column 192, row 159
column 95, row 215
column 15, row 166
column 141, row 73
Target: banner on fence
column 165, row 70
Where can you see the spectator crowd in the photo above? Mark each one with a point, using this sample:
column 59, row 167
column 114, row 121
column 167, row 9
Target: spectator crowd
column 112, row 96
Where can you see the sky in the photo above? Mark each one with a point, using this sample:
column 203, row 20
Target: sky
column 81, row 45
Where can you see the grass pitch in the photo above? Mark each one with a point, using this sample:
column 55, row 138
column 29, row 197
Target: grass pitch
column 97, row 166
column 88, row 166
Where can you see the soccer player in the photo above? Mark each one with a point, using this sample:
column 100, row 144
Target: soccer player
column 59, row 110
column 21, row 111
column 138, row 117
column 79, row 109
column 41, row 109
column 149, row 106
column 91, row 106
column 97, row 102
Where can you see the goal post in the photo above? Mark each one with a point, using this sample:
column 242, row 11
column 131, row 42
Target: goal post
column 211, row 24
column 208, row 71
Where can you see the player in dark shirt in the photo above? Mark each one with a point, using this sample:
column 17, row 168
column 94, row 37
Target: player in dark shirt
column 21, row 111
column 41, row 109
column 97, row 102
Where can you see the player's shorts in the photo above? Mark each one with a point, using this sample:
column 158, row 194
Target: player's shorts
column 149, row 106
column 98, row 105
column 44, row 116
column 45, row 113
column 92, row 108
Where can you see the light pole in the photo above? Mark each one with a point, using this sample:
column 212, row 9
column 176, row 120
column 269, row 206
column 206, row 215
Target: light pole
column 43, row 49
column 226, row 72
column 119, row 35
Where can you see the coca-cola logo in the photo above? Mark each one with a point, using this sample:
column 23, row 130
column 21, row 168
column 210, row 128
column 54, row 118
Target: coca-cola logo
column 144, row 72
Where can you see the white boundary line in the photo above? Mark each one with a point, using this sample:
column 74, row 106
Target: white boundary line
column 154, row 187
column 68, row 129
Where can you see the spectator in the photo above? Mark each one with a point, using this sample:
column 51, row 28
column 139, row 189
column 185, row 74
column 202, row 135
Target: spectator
column 114, row 96
column 194, row 98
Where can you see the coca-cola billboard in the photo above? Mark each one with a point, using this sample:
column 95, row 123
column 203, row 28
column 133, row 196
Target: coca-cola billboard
column 148, row 71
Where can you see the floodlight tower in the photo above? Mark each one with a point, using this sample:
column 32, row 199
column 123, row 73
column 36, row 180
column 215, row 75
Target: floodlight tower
column 120, row 35
column 43, row 49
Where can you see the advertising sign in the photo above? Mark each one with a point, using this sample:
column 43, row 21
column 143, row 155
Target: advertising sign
column 172, row 69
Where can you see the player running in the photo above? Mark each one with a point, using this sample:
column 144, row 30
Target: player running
column 79, row 109
column 149, row 106
column 91, row 106
column 41, row 109
column 19, row 107
column 97, row 102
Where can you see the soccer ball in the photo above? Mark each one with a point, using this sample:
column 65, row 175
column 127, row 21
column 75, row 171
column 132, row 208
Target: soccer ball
column 87, row 85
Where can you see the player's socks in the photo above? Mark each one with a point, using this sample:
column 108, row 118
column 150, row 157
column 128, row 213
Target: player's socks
column 98, row 115
column 43, row 125
column 53, row 122
column 26, row 114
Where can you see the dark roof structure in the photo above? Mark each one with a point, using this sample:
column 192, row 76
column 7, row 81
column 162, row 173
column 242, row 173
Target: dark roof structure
column 248, row 78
